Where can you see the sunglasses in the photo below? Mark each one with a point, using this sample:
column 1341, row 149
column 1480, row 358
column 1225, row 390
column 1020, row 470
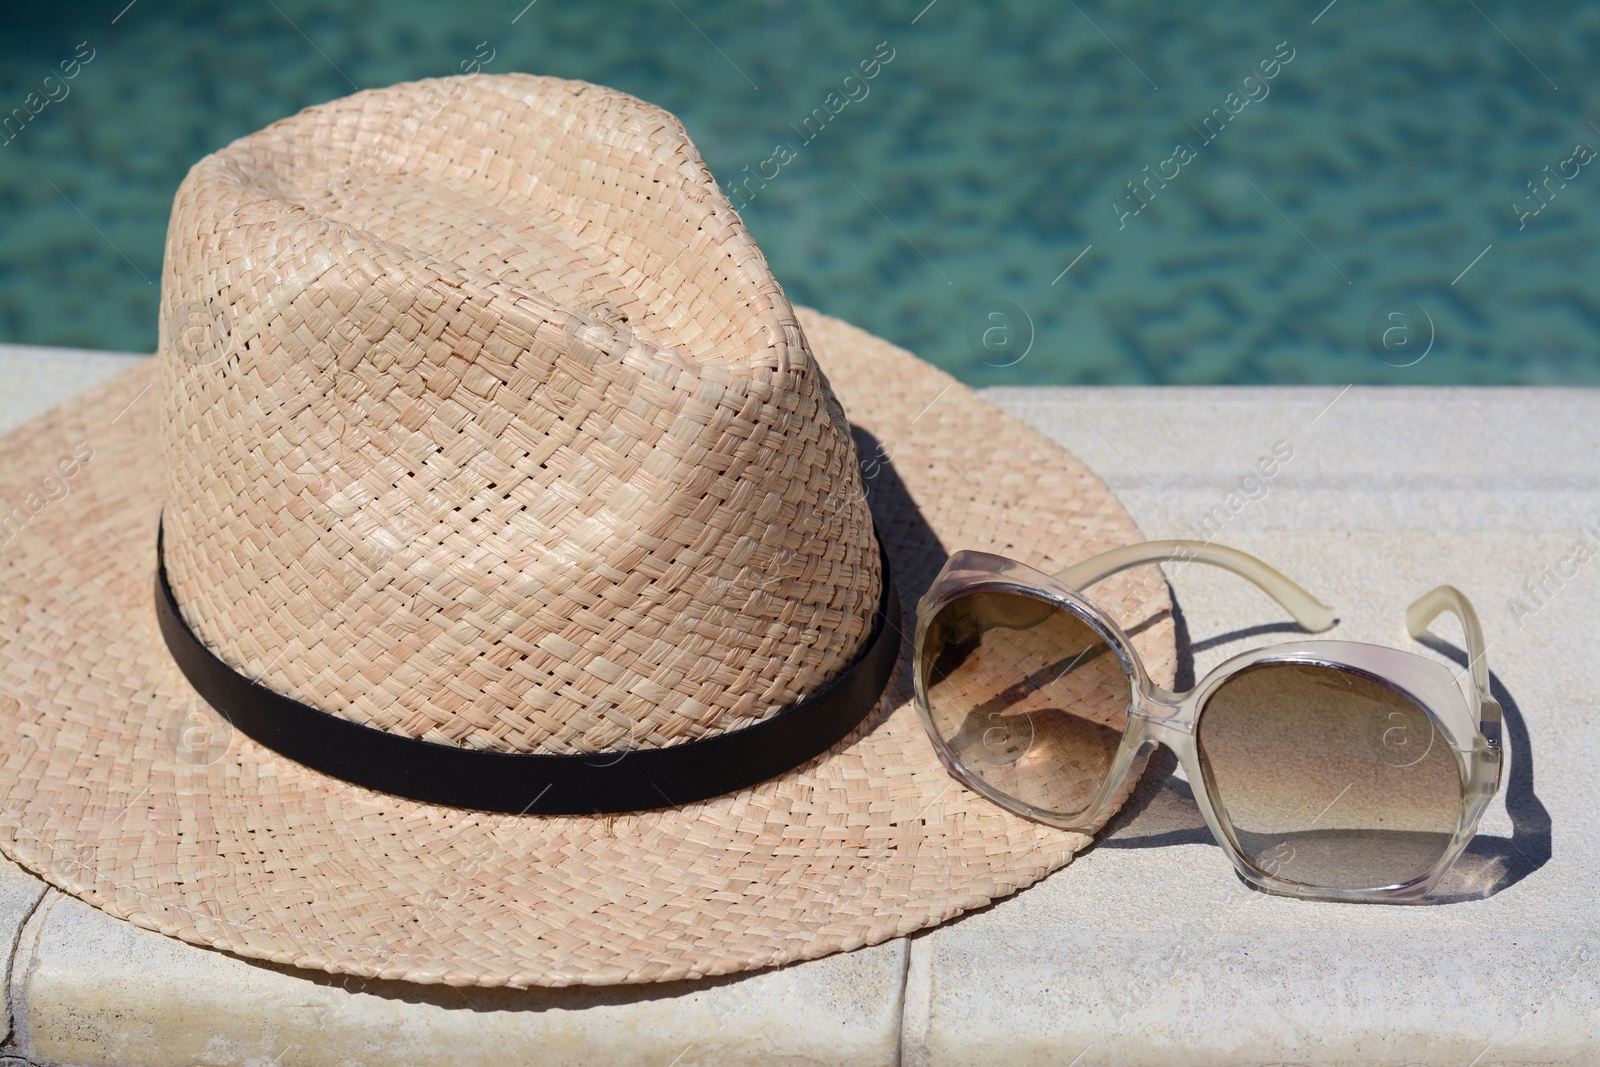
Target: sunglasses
column 1325, row 769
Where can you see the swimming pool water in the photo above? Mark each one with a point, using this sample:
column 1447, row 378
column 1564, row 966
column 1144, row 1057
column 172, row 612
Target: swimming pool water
column 1023, row 193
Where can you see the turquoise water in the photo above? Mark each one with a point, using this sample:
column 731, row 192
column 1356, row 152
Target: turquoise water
column 1360, row 192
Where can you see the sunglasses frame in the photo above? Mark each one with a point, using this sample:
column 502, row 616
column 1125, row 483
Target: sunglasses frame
column 1157, row 716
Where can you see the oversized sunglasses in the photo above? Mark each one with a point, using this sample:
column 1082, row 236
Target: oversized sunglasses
column 1326, row 769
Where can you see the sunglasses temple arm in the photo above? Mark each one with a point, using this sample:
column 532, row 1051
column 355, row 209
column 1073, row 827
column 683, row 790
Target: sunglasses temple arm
column 1312, row 614
column 1436, row 602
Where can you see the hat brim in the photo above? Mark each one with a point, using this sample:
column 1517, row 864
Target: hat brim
column 120, row 787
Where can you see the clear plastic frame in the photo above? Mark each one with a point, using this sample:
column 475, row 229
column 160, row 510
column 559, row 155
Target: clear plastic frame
column 1071, row 751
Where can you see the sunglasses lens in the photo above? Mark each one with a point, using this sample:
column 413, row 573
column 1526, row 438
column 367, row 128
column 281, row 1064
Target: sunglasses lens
column 1027, row 696
column 1329, row 778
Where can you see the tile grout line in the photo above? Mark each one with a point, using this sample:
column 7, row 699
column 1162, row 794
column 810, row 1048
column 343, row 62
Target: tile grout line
column 29, row 933
column 916, row 1001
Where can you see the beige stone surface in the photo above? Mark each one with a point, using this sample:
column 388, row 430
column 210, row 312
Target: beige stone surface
column 33, row 380
column 100, row 991
column 19, row 894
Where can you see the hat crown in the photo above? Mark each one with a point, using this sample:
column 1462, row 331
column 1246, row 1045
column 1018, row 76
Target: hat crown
column 486, row 423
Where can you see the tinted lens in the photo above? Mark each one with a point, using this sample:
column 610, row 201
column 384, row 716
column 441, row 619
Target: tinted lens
column 1027, row 696
column 1328, row 777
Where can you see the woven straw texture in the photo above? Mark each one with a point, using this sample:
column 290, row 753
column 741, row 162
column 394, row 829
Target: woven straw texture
column 118, row 785
column 523, row 447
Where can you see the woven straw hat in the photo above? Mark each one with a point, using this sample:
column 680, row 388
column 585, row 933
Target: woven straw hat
column 480, row 427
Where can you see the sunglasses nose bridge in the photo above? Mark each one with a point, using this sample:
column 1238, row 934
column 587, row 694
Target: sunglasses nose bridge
column 1172, row 732
column 1159, row 716
column 1161, row 708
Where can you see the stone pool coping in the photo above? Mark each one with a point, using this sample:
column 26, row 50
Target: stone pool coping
column 1147, row 949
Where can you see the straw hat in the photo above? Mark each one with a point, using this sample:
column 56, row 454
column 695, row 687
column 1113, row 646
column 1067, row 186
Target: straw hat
column 482, row 440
